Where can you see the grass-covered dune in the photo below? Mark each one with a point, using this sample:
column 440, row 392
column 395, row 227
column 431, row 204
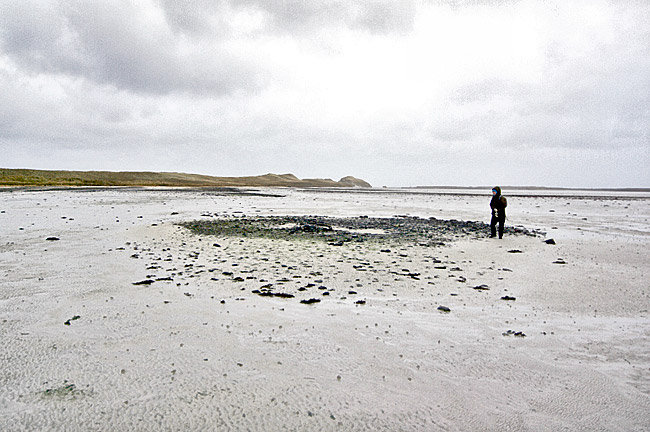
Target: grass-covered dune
column 29, row 177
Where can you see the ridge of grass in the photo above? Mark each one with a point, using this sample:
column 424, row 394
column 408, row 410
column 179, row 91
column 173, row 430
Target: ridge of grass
column 29, row 177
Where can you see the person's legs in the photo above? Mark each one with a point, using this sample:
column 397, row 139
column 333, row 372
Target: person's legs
column 493, row 226
column 502, row 222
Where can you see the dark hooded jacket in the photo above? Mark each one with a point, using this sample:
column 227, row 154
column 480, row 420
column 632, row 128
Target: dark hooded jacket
column 497, row 204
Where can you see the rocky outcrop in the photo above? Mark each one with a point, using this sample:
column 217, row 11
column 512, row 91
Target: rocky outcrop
column 354, row 182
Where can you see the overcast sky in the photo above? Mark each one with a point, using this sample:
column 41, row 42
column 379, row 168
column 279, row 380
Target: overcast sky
column 399, row 93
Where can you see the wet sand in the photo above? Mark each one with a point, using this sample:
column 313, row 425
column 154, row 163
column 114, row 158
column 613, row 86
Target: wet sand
column 131, row 322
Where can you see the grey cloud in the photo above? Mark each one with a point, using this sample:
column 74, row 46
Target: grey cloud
column 66, row 114
column 193, row 17
column 387, row 16
column 37, row 35
column 109, row 43
column 456, row 4
column 295, row 16
column 593, row 98
column 590, row 112
column 113, row 42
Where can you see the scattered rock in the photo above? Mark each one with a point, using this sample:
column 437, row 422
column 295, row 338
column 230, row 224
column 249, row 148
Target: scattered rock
column 273, row 294
column 310, row 301
column 559, row 261
column 482, row 287
column 549, row 241
column 76, row 317
column 52, row 239
column 514, row 333
column 360, row 302
column 514, row 251
column 508, row 298
column 144, row 282
column 444, row 309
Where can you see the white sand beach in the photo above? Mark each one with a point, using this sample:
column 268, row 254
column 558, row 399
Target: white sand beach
column 538, row 337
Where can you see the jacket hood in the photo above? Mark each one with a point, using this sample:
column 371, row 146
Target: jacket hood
column 498, row 189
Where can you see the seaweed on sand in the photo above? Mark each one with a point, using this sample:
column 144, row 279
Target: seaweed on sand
column 339, row 231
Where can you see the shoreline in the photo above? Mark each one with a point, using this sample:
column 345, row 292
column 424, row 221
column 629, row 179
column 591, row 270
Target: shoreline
column 525, row 192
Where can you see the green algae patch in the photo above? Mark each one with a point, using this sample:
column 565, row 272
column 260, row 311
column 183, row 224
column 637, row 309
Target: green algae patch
column 65, row 391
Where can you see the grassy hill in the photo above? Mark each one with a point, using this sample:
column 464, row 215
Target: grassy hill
column 28, row 177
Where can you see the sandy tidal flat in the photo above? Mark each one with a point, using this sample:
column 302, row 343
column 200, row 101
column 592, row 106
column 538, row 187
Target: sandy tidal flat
column 125, row 320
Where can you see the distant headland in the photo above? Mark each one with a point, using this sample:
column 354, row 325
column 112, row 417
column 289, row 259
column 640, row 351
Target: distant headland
column 30, row 177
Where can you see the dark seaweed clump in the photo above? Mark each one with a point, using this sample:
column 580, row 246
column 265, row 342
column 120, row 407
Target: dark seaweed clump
column 339, row 231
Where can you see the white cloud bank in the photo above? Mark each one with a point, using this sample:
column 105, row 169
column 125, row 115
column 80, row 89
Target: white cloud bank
column 395, row 92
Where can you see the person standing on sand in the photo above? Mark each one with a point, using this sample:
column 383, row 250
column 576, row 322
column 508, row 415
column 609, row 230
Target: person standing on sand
column 498, row 205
